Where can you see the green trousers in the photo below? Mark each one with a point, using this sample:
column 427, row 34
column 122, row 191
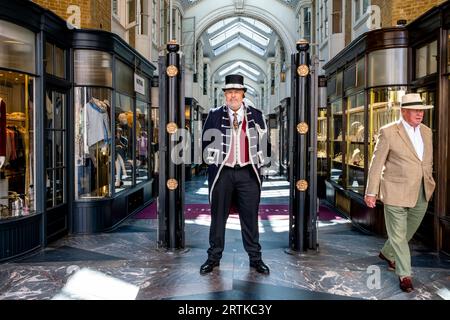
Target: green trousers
column 401, row 225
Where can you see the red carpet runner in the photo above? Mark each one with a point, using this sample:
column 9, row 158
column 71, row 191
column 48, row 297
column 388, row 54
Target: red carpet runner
column 193, row 211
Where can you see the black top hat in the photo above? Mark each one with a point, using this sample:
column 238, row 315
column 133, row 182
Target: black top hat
column 234, row 81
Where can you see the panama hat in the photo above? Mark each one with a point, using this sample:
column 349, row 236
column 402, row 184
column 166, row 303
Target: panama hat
column 413, row 101
column 234, row 81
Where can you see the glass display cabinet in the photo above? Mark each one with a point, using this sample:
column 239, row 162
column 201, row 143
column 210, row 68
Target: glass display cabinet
column 355, row 143
column 336, row 126
column 322, row 161
column 322, row 140
column 111, row 120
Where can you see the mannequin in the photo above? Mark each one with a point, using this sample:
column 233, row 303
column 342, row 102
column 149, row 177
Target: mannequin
column 121, row 146
column 127, row 133
column 142, row 147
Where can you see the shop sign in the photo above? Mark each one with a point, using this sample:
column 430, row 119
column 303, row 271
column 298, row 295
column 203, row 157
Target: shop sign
column 139, row 84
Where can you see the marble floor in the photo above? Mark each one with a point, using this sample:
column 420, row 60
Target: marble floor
column 126, row 264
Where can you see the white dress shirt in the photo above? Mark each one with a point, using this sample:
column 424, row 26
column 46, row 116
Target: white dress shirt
column 415, row 137
column 240, row 114
column 236, row 136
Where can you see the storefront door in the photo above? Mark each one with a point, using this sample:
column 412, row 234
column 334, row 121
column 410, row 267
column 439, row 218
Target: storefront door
column 55, row 136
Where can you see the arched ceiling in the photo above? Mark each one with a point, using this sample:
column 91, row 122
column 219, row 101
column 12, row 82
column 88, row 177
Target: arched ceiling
column 248, row 33
column 239, row 45
column 245, row 31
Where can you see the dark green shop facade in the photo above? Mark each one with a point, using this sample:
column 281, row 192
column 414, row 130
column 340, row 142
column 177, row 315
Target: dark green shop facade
column 76, row 126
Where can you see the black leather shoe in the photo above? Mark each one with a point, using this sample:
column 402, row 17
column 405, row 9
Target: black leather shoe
column 260, row 266
column 208, row 266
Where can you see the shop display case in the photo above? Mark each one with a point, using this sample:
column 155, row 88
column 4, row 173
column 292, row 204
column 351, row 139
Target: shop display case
column 112, row 175
column 322, row 161
column 336, row 149
column 364, row 90
column 355, row 143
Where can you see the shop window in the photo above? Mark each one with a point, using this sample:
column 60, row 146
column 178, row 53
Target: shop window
column 17, row 48
column 339, row 83
column 92, row 142
column 336, row 138
column 360, row 72
column 350, row 77
column 154, row 148
column 124, row 119
column 92, row 127
column 93, row 68
column 54, row 60
column 124, row 76
column 17, row 165
column 55, row 137
column 387, row 67
column 355, row 147
column 142, row 141
column 426, row 60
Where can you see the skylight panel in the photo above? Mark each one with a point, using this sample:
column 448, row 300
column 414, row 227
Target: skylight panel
column 239, row 28
column 258, row 24
column 219, row 25
column 236, row 41
column 239, row 64
column 251, row 90
column 245, row 74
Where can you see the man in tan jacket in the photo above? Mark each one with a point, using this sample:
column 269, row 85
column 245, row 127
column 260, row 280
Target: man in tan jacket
column 400, row 175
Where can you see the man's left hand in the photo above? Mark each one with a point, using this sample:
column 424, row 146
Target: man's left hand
column 370, row 201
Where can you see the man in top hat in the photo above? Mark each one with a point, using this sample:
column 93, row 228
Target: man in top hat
column 400, row 175
column 233, row 137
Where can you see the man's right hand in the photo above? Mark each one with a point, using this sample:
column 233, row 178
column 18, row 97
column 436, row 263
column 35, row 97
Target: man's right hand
column 370, row 201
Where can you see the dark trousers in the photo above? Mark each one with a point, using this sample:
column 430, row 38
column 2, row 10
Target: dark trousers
column 241, row 186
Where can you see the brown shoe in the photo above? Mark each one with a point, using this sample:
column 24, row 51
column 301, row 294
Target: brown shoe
column 391, row 264
column 406, row 284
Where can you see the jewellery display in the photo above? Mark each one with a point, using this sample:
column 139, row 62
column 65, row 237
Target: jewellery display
column 338, row 157
column 321, row 154
column 322, row 142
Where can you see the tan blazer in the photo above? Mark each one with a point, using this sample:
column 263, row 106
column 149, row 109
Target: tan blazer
column 395, row 171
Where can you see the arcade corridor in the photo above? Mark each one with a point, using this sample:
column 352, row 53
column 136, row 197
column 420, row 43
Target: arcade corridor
column 337, row 271
column 95, row 93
